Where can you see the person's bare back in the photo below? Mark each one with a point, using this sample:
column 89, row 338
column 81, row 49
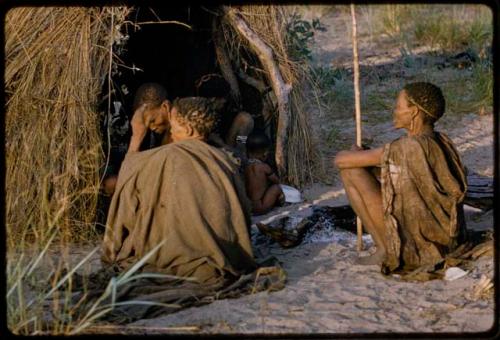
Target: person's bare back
column 257, row 181
column 262, row 184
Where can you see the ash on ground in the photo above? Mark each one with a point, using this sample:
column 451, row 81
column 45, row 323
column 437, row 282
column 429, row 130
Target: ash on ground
column 328, row 225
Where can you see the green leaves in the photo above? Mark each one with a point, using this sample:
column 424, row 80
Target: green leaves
column 300, row 34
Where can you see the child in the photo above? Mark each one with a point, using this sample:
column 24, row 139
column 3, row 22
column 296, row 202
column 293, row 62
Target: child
column 262, row 183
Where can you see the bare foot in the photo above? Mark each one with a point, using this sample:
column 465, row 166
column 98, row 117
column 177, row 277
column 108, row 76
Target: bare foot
column 375, row 259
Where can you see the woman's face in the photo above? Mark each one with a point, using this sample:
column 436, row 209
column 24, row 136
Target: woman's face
column 403, row 112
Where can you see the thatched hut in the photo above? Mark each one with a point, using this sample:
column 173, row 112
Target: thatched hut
column 65, row 66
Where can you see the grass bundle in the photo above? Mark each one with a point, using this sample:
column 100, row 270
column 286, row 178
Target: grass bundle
column 269, row 23
column 57, row 59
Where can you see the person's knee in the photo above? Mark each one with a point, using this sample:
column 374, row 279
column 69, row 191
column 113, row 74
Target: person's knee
column 109, row 184
column 244, row 121
column 352, row 173
column 276, row 189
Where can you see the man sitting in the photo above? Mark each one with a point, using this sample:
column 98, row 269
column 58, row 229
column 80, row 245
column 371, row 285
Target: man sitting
column 151, row 109
column 186, row 193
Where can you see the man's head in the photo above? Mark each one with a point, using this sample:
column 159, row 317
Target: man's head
column 258, row 145
column 428, row 98
column 193, row 117
column 154, row 97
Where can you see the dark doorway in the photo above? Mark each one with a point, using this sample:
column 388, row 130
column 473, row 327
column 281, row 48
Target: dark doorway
column 171, row 54
column 167, row 53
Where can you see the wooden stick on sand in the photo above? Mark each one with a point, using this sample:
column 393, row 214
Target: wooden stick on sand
column 357, row 108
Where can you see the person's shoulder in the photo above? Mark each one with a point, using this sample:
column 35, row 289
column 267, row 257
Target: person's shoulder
column 396, row 143
column 410, row 141
column 403, row 145
column 264, row 167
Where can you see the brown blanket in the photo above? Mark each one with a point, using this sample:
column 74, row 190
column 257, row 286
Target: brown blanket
column 189, row 194
column 423, row 185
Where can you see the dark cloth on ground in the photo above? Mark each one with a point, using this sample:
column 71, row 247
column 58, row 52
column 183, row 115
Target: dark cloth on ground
column 165, row 295
column 478, row 244
column 189, row 194
column 423, row 186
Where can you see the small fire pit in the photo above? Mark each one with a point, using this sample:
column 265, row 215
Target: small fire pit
column 325, row 224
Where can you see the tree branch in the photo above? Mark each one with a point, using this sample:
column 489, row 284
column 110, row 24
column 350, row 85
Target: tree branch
column 225, row 62
column 280, row 88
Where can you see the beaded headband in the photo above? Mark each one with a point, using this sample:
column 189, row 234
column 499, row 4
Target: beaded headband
column 411, row 100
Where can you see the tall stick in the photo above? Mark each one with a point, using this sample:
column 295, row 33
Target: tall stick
column 357, row 105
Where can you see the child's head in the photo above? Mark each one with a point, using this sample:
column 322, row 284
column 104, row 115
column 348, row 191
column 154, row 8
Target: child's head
column 257, row 145
column 154, row 96
column 193, row 117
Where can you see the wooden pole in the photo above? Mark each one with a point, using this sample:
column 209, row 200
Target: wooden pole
column 357, row 105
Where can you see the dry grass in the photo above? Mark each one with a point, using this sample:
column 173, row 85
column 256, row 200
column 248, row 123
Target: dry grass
column 56, row 63
column 269, row 23
column 57, row 59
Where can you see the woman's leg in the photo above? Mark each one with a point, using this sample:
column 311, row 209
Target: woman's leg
column 365, row 196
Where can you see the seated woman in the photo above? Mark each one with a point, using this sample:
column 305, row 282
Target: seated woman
column 415, row 213
column 187, row 194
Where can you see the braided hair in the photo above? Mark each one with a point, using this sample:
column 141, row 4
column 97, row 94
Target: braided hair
column 202, row 114
column 428, row 98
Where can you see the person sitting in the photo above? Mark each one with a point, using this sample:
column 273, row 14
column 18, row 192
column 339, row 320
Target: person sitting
column 151, row 108
column 261, row 182
column 151, row 111
column 235, row 125
column 415, row 214
column 186, row 194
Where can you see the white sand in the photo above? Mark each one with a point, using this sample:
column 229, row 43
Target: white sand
column 327, row 293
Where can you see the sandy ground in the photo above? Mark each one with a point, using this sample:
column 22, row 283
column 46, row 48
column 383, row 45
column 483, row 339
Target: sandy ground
column 327, row 293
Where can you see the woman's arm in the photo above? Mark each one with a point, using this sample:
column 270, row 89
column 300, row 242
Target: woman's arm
column 358, row 158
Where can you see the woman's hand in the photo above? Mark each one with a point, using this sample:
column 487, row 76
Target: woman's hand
column 355, row 147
